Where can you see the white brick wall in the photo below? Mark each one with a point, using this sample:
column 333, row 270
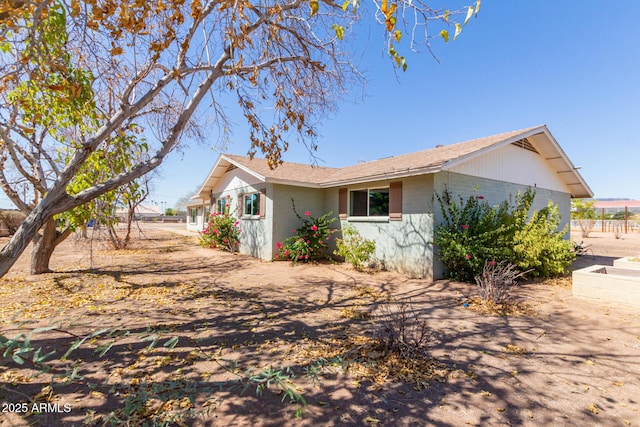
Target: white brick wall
column 494, row 192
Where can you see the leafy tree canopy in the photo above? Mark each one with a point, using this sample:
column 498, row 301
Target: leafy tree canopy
column 78, row 79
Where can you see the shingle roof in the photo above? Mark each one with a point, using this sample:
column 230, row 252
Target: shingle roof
column 418, row 163
column 425, row 161
column 287, row 171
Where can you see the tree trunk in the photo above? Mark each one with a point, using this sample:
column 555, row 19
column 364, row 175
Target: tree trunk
column 43, row 248
column 28, row 231
column 20, row 240
column 44, row 245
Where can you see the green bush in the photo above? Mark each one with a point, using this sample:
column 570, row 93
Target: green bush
column 309, row 241
column 540, row 247
column 473, row 232
column 354, row 248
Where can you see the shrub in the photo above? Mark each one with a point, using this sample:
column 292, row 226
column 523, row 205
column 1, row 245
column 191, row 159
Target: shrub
column 473, row 232
column 354, row 248
column 222, row 231
column 309, row 241
column 539, row 247
column 584, row 212
column 402, row 332
column 497, row 280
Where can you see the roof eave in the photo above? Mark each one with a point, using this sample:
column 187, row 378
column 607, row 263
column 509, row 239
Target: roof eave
column 293, row 183
column 382, row 176
column 587, row 193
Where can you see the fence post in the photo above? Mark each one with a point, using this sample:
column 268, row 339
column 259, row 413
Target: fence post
column 626, row 218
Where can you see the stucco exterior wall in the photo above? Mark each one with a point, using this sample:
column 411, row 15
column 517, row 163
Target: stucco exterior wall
column 257, row 232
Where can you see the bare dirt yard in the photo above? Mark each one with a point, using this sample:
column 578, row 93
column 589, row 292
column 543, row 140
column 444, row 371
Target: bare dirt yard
column 169, row 333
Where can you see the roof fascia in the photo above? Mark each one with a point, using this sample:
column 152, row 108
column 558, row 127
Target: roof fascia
column 588, row 192
column 292, row 183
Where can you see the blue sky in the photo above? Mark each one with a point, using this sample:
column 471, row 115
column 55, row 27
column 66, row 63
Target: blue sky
column 574, row 66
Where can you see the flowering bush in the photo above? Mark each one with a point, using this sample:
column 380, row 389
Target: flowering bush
column 309, row 241
column 473, row 232
column 222, row 231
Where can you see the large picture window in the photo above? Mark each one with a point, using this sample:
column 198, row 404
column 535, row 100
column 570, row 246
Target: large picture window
column 370, row 202
column 251, row 204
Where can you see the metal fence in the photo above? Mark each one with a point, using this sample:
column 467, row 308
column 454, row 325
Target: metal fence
column 619, row 226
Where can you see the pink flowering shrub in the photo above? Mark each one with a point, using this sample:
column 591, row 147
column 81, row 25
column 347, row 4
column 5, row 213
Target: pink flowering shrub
column 222, row 231
column 473, row 232
column 309, row 241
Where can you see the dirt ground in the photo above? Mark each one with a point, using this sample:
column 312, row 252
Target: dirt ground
column 240, row 322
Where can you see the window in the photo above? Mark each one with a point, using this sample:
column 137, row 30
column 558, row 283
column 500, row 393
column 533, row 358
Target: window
column 221, row 204
column 193, row 213
column 251, row 204
column 207, row 212
column 372, row 202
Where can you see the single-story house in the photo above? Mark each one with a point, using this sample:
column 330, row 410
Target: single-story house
column 390, row 200
column 141, row 212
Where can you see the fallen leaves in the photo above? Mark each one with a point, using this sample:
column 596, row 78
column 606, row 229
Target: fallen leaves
column 512, row 308
column 360, row 356
column 515, row 349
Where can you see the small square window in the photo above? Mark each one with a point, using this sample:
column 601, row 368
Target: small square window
column 221, row 205
column 251, row 204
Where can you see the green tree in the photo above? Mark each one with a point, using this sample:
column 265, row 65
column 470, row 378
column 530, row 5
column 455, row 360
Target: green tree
column 583, row 211
column 153, row 63
column 53, row 110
